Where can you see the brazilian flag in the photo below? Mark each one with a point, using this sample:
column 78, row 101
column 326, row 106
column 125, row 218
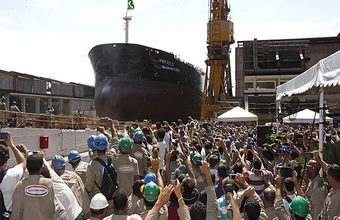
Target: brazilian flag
column 131, row 6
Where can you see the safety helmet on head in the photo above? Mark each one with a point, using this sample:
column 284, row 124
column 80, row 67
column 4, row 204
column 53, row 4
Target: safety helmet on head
column 150, row 191
column 138, row 136
column 237, row 144
column 101, row 142
column 14, row 102
column 73, row 155
column 299, row 206
column 228, row 142
column 91, row 141
column 58, row 161
column 196, row 158
column 98, row 202
column 125, row 145
column 230, row 137
column 150, row 177
column 3, row 98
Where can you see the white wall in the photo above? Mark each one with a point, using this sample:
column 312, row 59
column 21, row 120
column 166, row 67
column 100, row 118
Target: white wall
column 60, row 141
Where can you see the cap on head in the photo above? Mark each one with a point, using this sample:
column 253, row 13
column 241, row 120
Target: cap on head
column 197, row 157
column 299, row 206
column 138, row 136
column 228, row 142
column 150, row 177
column 98, row 202
column 101, row 142
column 91, row 141
column 73, row 155
column 58, row 162
column 125, row 145
column 3, row 98
column 151, row 191
column 237, row 144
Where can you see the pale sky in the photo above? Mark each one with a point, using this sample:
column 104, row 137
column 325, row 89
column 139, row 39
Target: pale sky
column 52, row 38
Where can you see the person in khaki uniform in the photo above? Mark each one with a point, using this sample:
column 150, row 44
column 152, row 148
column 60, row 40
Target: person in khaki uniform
column 126, row 166
column 79, row 166
column 140, row 153
column 331, row 207
column 34, row 195
column 74, row 182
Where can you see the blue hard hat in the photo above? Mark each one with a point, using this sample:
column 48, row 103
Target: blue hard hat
column 227, row 142
column 230, row 138
column 91, row 141
column 150, row 177
column 138, row 136
column 286, row 148
column 101, row 142
column 237, row 144
column 58, row 161
column 182, row 168
column 73, row 155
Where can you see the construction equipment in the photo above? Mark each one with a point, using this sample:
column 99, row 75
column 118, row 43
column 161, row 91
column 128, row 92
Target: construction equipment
column 217, row 86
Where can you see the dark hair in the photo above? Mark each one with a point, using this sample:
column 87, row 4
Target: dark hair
column 238, row 168
column 181, row 177
column 213, row 160
column 294, row 154
column 198, row 147
column 213, row 177
column 136, row 186
column 265, row 153
column 222, row 171
column 145, row 130
column 289, row 184
column 75, row 161
column 220, row 149
column 188, row 184
column 198, row 211
column 252, row 208
column 158, row 125
column 257, row 163
column 334, row 171
column 97, row 212
column 119, row 199
column 148, row 139
column 4, row 154
column 34, row 163
column 173, row 198
column 269, row 194
column 161, row 133
column 149, row 203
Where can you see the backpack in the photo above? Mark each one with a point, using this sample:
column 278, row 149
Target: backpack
column 109, row 182
column 4, row 214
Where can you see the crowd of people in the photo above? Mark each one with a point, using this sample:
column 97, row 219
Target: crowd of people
column 182, row 170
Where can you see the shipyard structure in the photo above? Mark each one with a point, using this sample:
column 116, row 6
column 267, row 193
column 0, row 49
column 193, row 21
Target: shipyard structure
column 262, row 65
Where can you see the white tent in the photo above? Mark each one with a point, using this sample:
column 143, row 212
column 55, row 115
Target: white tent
column 237, row 114
column 323, row 77
column 304, row 116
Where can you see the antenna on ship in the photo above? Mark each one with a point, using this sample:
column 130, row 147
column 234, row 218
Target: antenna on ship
column 127, row 19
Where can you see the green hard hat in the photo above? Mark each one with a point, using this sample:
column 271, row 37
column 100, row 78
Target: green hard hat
column 223, row 161
column 125, row 145
column 191, row 154
column 151, row 191
column 299, row 206
column 196, row 158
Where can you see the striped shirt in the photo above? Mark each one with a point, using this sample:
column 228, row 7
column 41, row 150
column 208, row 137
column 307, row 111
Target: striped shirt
column 257, row 182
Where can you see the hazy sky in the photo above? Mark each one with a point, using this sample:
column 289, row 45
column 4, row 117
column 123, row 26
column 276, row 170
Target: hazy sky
column 52, row 38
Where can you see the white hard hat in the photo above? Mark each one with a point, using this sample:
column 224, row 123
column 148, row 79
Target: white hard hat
column 98, row 202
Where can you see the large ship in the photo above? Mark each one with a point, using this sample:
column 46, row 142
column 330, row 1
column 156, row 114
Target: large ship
column 135, row 82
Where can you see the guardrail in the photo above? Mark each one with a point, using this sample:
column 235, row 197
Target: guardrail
column 33, row 120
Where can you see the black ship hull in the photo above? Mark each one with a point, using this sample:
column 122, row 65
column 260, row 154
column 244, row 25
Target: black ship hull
column 134, row 82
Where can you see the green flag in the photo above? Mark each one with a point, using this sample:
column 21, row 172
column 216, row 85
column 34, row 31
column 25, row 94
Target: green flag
column 131, row 6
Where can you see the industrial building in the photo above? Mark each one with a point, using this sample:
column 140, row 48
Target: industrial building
column 262, row 65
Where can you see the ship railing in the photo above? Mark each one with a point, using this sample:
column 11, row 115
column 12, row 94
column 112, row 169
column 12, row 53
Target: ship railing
column 34, row 120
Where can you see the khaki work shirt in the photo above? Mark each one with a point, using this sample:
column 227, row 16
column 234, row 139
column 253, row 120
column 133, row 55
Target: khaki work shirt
column 331, row 208
column 316, row 196
column 81, row 170
column 281, row 211
column 140, row 154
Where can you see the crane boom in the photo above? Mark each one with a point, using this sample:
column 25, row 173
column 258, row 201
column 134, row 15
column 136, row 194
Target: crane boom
column 220, row 35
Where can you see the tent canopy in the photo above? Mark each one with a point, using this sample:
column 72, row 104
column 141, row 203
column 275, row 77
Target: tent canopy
column 326, row 73
column 304, row 116
column 237, row 114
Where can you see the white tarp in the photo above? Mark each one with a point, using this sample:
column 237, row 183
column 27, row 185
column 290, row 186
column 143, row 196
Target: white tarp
column 304, row 116
column 325, row 73
column 237, row 114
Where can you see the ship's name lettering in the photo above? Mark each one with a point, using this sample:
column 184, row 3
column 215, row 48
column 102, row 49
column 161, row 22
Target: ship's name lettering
column 166, row 62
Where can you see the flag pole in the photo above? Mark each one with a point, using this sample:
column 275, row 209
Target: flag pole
column 127, row 19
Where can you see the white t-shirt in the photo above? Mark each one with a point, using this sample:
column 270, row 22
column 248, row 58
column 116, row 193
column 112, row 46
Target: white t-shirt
column 65, row 196
column 162, row 151
column 167, row 141
column 12, row 177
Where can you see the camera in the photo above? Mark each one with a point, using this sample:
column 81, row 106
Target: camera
column 258, row 172
column 309, row 155
column 102, row 119
column 4, row 136
column 232, row 176
column 249, row 147
column 199, row 163
column 175, row 152
column 286, row 171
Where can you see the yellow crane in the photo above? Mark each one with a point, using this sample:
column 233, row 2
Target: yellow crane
column 217, row 85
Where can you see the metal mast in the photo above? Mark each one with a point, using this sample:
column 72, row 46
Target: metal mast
column 127, row 19
column 220, row 33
